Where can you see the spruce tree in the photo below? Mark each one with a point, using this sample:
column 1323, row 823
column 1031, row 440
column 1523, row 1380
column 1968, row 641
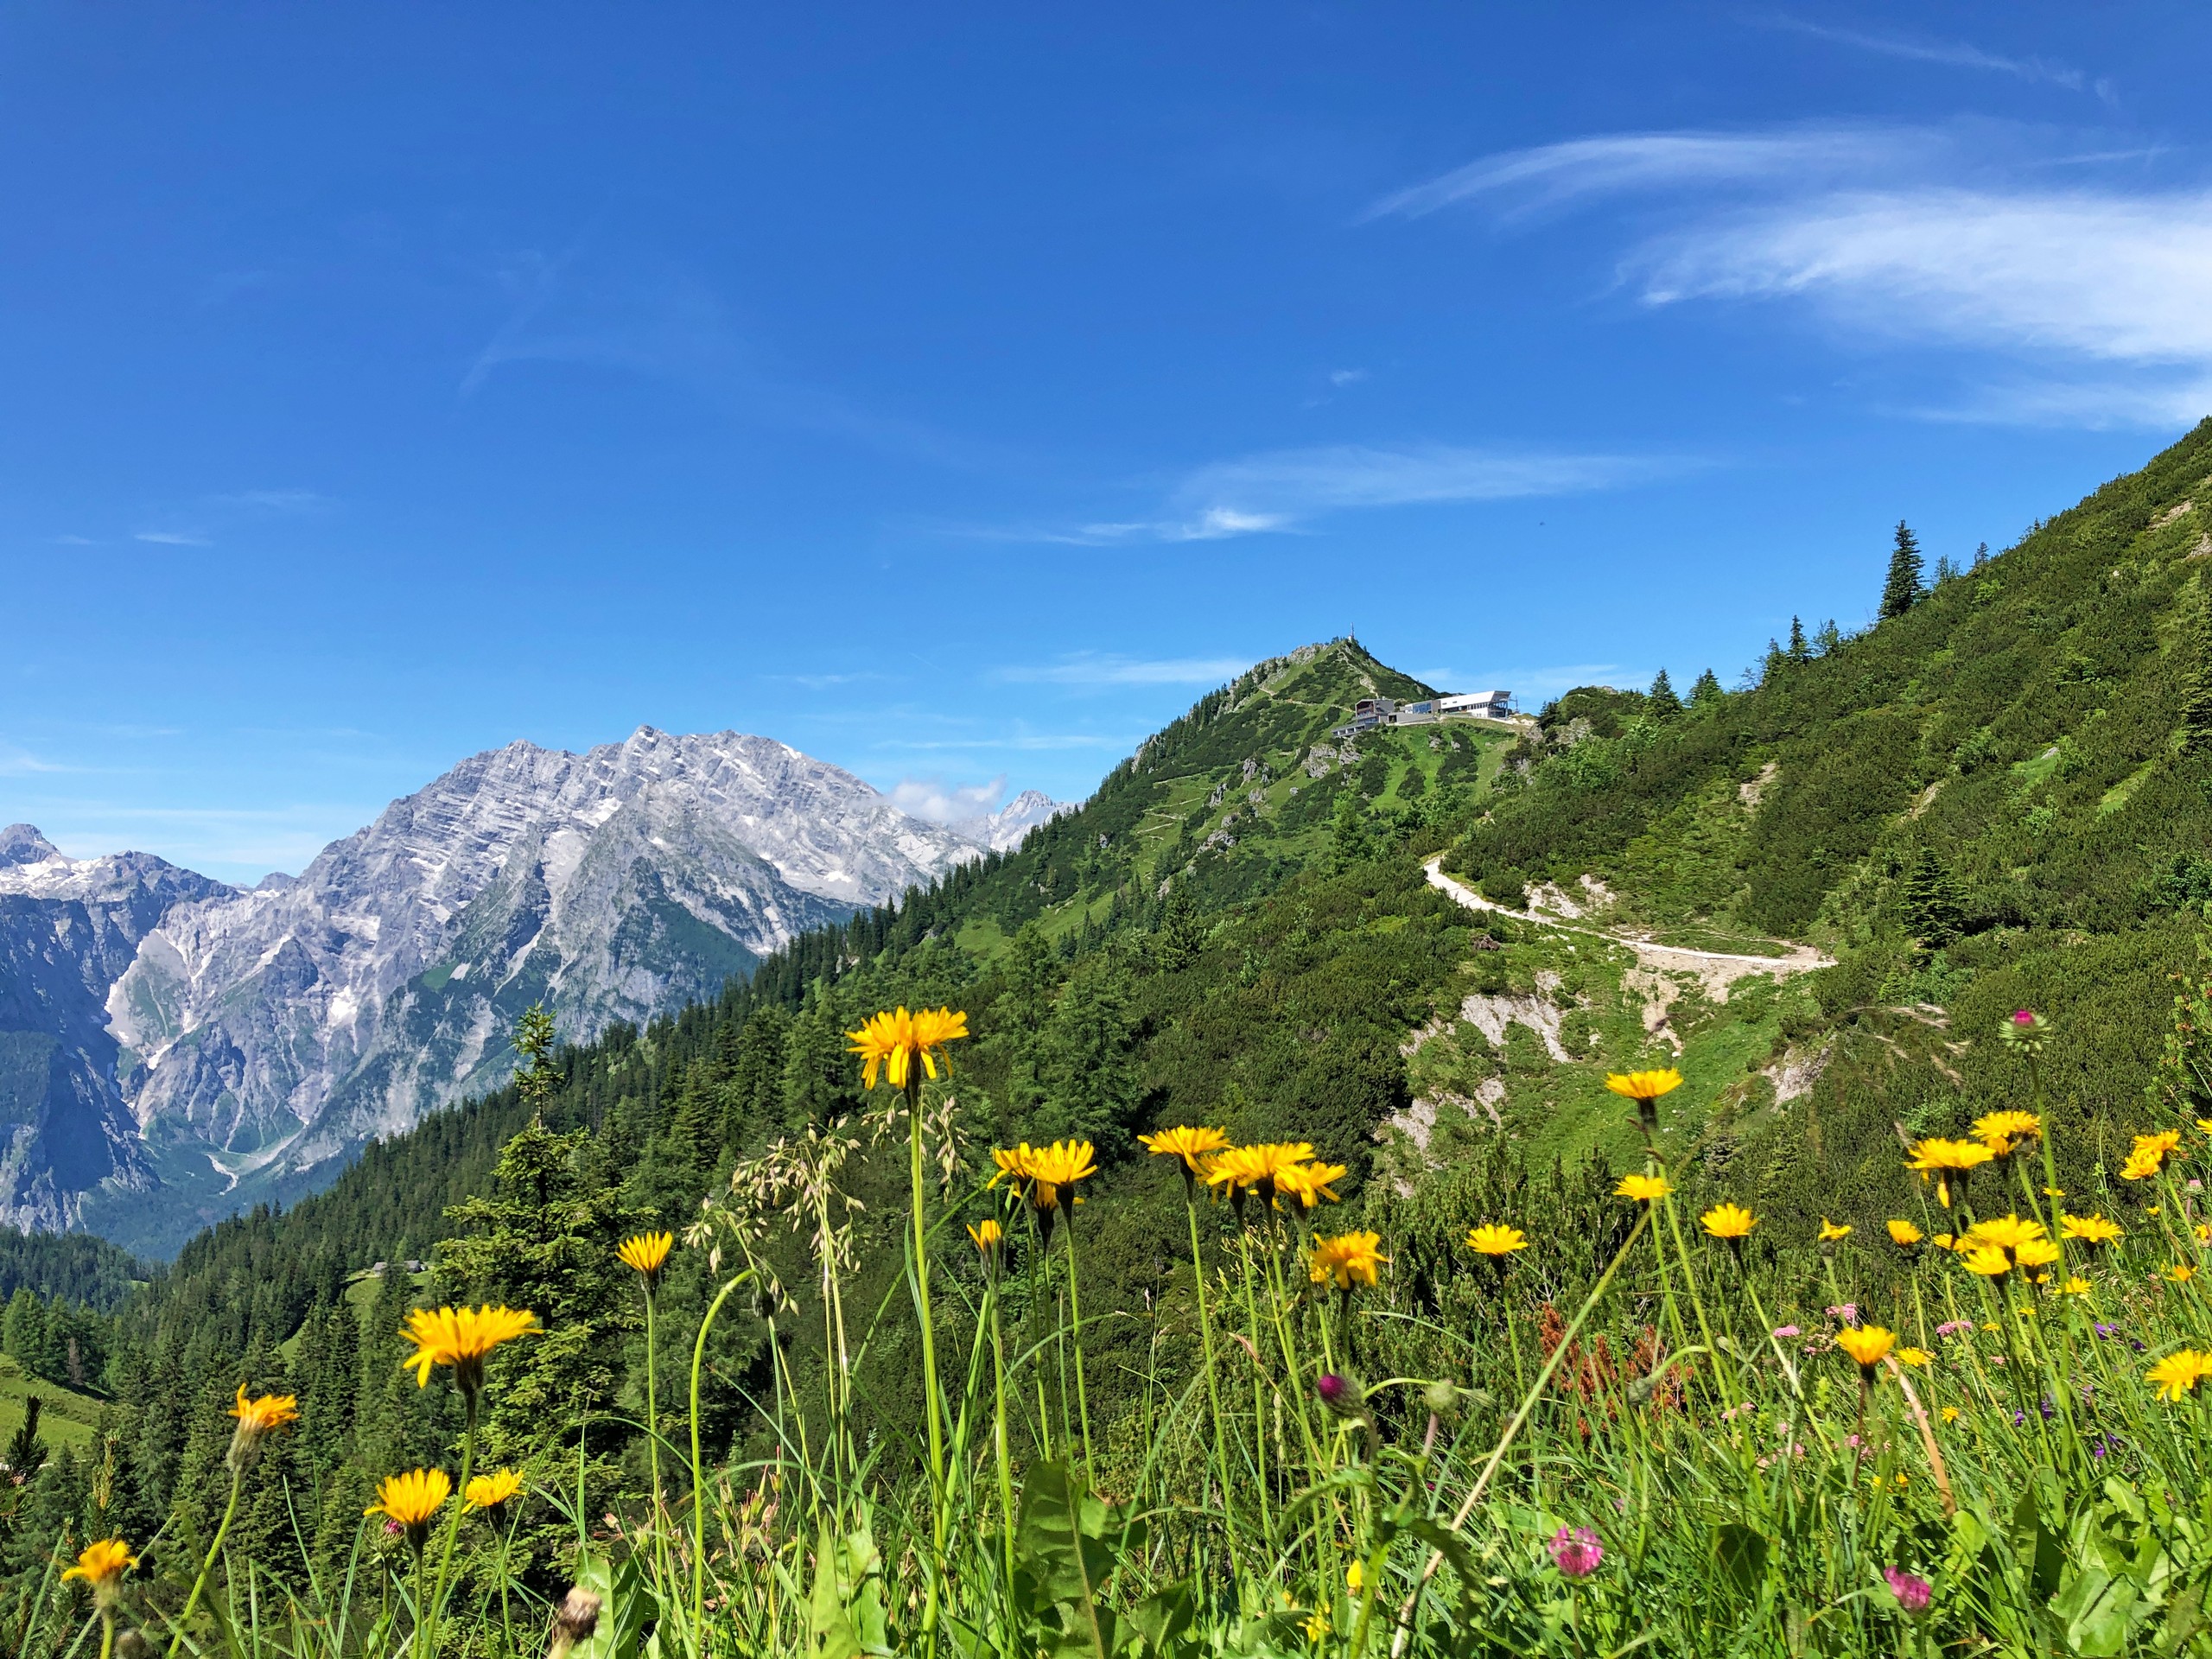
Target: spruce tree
column 1902, row 591
column 1661, row 700
column 1800, row 650
column 1828, row 639
column 1773, row 664
column 1706, row 692
column 1933, row 914
column 2196, row 685
column 1982, row 555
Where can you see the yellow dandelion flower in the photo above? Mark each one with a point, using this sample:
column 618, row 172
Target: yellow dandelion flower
column 894, row 1040
column 1317, row 1626
column 1644, row 1189
column 2140, row 1167
column 1243, row 1169
column 2007, row 1127
column 647, row 1253
column 2035, row 1253
column 1830, row 1232
column 1867, row 1344
column 1918, row 1358
column 1644, row 1086
column 256, row 1419
column 492, row 1490
column 2004, row 1232
column 1309, row 1183
column 2180, row 1273
column 1354, row 1256
column 1062, row 1164
column 1950, row 1413
column 1193, row 1146
column 462, row 1337
column 1355, row 1577
column 1495, row 1238
column 987, row 1235
column 1730, row 1221
column 2178, row 1374
column 2076, row 1286
column 1905, row 1234
column 1936, row 1156
column 412, row 1500
column 102, row 1563
column 2089, row 1230
column 1987, row 1260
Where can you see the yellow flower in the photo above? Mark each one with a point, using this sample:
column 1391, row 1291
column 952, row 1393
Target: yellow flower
column 1644, row 1189
column 2205, row 1124
column 1352, row 1256
column 2035, row 1253
column 1062, row 1164
column 1905, row 1234
column 895, row 1040
column 1355, row 1577
column 2139, row 1166
column 1495, row 1238
column 258, row 1418
column 1934, row 1155
column 461, row 1337
column 269, row 1411
column 1917, row 1357
column 2180, row 1273
column 2006, row 1233
column 1728, row 1220
column 1950, row 1413
column 101, row 1564
column 1310, row 1183
column 1644, row 1086
column 987, row 1235
column 412, row 1500
column 1243, row 1169
column 489, row 1491
column 2159, row 1145
column 2089, row 1230
column 2076, row 1286
column 1867, row 1344
column 1987, row 1260
column 1317, row 1626
column 1945, row 1242
column 1830, row 1232
column 1193, row 1146
column 1991, row 1128
column 647, row 1252
column 2178, row 1374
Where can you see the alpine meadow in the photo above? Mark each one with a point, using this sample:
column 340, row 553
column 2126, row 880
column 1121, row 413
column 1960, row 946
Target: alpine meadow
column 1706, row 1171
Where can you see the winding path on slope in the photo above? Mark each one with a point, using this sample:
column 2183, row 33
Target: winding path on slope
column 1717, row 969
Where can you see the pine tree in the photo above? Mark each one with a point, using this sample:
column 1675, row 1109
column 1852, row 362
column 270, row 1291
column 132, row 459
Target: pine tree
column 1982, row 555
column 1945, row 570
column 1773, row 661
column 1706, row 693
column 1087, row 1061
column 1662, row 700
column 1828, row 639
column 1902, row 590
column 1933, row 912
column 1800, row 650
column 2196, row 693
column 26, row 1452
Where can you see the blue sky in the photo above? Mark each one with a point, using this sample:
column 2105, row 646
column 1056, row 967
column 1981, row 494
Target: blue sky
column 956, row 393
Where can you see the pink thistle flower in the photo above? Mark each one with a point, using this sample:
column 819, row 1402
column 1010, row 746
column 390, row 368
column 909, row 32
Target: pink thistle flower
column 1912, row 1591
column 1576, row 1552
column 2020, row 1017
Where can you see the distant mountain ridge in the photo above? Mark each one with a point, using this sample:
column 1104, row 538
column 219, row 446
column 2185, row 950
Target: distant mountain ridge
column 172, row 1046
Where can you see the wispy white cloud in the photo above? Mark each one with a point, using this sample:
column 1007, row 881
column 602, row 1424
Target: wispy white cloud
column 1958, row 55
column 1530, row 686
column 2084, row 305
column 932, row 797
column 277, row 501
column 171, row 538
column 1285, row 490
column 1093, row 668
column 1794, row 156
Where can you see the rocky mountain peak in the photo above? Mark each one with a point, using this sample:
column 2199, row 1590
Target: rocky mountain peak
column 21, row 844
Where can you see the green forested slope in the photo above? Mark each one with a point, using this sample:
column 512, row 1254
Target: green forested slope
column 1991, row 800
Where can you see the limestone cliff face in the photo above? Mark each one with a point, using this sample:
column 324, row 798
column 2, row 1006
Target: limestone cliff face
column 171, row 1047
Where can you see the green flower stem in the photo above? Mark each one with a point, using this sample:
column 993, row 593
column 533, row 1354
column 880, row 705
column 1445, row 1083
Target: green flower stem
column 930, row 1401
column 1000, row 1448
column 652, row 1433
column 422, row 1613
column 429, row 1617
column 1213, row 1383
column 200, row 1584
column 1075, row 1314
column 699, row 1468
column 1259, row 1395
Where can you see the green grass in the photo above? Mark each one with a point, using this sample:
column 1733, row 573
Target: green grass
column 67, row 1417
